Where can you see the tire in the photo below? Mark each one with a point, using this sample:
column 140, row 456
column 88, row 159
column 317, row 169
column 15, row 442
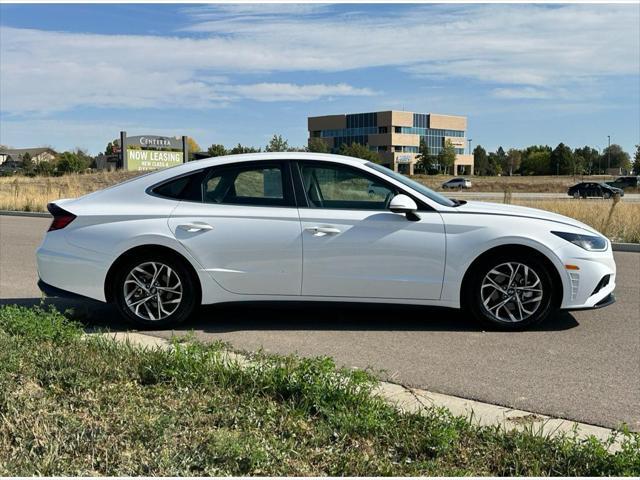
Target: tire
column 606, row 195
column 576, row 194
column 174, row 288
column 510, row 316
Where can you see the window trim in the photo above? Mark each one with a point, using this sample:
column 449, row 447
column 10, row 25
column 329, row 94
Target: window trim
column 151, row 189
column 288, row 200
column 303, row 201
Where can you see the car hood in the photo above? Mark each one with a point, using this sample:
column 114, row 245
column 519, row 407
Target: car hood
column 518, row 211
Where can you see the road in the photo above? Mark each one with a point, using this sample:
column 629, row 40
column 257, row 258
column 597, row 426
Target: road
column 582, row 366
column 533, row 196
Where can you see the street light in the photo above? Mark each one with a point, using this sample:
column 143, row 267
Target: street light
column 598, row 150
column 609, row 154
column 469, row 140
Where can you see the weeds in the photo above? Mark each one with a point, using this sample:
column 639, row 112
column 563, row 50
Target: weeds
column 77, row 406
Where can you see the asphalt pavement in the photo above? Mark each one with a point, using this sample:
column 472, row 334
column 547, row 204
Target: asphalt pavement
column 581, row 366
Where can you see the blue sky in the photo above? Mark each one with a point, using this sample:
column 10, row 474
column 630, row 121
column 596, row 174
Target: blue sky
column 75, row 75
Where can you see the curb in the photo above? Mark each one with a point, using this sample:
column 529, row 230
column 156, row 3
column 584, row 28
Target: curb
column 625, row 247
column 616, row 247
column 18, row 213
column 414, row 400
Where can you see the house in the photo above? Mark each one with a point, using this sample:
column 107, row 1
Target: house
column 11, row 158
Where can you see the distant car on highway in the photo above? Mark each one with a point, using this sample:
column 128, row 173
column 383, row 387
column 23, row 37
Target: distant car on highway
column 624, row 182
column 306, row 226
column 457, row 183
column 593, row 189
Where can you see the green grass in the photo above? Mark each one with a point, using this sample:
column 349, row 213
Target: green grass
column 76, row 406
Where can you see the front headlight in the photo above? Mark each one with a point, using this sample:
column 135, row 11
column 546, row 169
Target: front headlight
column 588, row 242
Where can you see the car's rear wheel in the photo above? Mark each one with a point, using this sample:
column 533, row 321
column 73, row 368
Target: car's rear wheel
column 152, row 291
column 511, row 292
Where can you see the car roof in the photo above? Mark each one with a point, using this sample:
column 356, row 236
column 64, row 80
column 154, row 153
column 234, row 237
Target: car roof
column 248, row 157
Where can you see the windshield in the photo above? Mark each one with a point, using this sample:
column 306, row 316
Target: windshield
column 418, row 187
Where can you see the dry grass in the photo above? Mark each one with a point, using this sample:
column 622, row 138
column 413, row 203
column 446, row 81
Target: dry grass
column 618, row 221
column 31, row 194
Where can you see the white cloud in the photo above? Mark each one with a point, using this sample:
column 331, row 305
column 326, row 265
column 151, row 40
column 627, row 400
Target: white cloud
column 527, row 49
column 274, row 92
column 521, row 93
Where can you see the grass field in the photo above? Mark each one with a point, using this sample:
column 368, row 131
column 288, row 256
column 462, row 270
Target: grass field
column 72, row 405
column 621, row 224
column 542, row 184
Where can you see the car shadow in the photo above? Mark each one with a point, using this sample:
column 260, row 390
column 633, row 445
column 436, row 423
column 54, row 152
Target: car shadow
column 248, row 316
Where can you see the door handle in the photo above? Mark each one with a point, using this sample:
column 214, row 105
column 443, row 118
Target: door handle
column 322, row 231
column 195, row 227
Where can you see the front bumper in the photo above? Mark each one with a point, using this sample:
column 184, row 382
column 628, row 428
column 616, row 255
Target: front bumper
column 583, row 289
column 605, row 302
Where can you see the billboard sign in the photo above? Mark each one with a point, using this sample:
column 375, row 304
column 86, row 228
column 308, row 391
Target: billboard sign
column 155, row 141
column 144, row 160
column 152, row 152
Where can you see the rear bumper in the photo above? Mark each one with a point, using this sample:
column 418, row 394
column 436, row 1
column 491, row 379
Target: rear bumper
column 51, row 291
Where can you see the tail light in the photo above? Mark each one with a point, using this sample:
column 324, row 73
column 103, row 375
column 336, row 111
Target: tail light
column 61, row 218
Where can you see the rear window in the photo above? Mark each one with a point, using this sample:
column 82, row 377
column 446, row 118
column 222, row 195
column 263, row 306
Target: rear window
column 187, row 187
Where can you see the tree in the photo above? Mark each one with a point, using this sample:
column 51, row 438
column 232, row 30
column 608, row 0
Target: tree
column 277, row 144
column 216, row 150
column 193, row 148
column 447, row 156
column 359, row 151
column 239, row 149
column 501, row 160
column 426, row 162
column 514, row 157
column 561, row 160
column 587, row 157
column 317, row 145
column 45, row 169
column 636, row 160
column 536, row 162
column 109, row 149
column 480, row 161
column 28, row 165
column 531, row 162
column 615, row 157
column 71, row 162
column 495, row 165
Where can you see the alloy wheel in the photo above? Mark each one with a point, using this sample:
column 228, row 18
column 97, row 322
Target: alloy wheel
column 511, row 292
column 152, row 291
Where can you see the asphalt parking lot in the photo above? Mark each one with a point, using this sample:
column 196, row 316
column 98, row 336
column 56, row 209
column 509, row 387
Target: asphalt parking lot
column 582, row 365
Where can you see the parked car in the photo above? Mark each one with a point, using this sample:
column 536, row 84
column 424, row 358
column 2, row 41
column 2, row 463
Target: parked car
column 457, row 183
column 594, row 189
column 303, row 226
column 624, row 182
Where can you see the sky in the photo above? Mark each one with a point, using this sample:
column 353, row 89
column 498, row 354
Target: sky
column 74, row 75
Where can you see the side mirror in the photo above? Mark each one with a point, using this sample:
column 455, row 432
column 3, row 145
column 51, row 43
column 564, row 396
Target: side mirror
column 404, row 204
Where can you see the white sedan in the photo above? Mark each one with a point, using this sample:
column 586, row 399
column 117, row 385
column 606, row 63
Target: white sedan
column 304, row 226
column 457, row 183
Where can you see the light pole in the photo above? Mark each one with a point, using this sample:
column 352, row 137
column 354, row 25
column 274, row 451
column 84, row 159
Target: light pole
column 609, row 154
column 469, row 140
column 598, row 150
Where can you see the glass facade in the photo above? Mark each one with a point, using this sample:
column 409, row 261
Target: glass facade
column 360, row 125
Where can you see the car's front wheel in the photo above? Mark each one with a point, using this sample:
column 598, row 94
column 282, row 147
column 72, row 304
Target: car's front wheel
column 511, row 292
column 152, row 291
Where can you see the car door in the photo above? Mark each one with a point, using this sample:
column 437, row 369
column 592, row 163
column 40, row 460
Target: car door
column 246, row 231
column 354, row 247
